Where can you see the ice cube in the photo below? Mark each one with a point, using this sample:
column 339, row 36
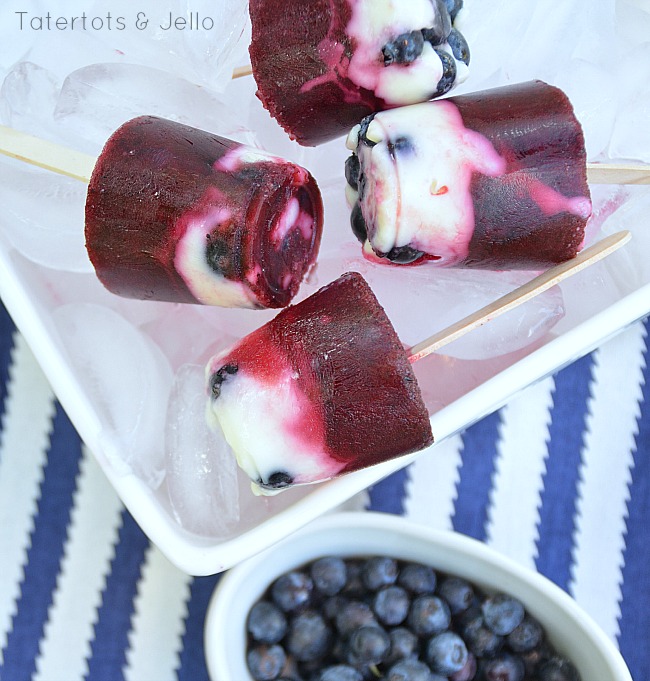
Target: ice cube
column 43, row 216
column 201, row 475
column 97, row 99
column 127, row 380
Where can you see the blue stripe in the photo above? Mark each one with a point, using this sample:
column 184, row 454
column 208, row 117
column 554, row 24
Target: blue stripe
column 192, row 657
column 388, row 494
column 635, row 605
column 110, row 642
column 7, row 331
column 566, row 433
column 476, row 472
column 45, row 551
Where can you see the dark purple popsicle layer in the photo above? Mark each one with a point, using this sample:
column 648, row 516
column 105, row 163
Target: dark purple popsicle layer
column 178, row 214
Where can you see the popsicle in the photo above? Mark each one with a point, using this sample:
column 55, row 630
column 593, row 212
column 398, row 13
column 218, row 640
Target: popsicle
column 495, row 180
column 326, row 387
column 322, row 389
column 322, row 65
column 179, row 214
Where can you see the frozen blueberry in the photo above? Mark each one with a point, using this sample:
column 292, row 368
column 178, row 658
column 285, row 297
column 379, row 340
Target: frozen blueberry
column 352, row 171
column 448, row 73
column 391, row 605
column 428, row 615
column 339, row 672
column 410, row 670
column 400, row 145
column 217, row 254
column 503, row 667
column 438, row 32
column 363, row 131
column 265, row 663
column 309, row 636
column 404, row 49
column 403, row 644
column 557, row 669
column 369, row 645
column 453, row 7
column 266, row 622
column 292, row 590
column 417, row 578
column 502, row 613
column 459, row 47
column 358, row 223
column 526, row 636
column 277, row 480
column 457, row 592
column 353, row 615
column 403, row 255
column 379, row 571
column 446, row 653
column 329, row 574
column 220, row 376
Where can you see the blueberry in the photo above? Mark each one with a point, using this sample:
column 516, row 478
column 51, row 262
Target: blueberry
column 446, row 653
column 217, row 254
column 403, row 255
column 410, row 670
column 453, row 7
column 265, row 663
column 363, row 131
column 220, row 376
column 457, row 592
column 369, row 645
column 417, row 578
column 459, row 46
column 309, row 636
column 428, row 615
column 504, row 667
column 481, row 640
column 557, row 669
column 401, row 145
column 525, row 636
column 277, row 480
column 437, row 34
column 266, row 623
column 448, row 73
column 502, row 613
column 468, row 672
column 391, row 605
column 379, row 571
column 404, row 49
column 292, row 590
column 403, row 644
column 352, row 171
column 358, row 223
column 339, row 672
column 329, row 575
column 353, row 615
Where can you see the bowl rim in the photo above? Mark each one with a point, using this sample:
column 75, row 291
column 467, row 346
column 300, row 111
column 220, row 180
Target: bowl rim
column 355, row 532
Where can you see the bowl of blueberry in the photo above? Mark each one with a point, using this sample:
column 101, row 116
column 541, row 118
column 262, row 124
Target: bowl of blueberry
column 374, row 597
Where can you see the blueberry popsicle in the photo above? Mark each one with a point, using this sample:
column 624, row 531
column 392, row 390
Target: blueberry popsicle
column 178, row 214
column 324, row 388
column 322, row 65
column 493, row 180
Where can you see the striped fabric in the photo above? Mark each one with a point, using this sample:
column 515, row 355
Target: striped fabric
column 559, row 480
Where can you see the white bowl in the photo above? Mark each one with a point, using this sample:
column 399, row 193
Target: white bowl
column 572, row 632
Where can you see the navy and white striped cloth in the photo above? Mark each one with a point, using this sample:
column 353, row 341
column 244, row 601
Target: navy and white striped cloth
column 559, row 480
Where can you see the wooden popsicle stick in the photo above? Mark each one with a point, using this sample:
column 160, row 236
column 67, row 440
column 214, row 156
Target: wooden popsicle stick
column 618, row 173
column 242, row 71
column 520, row 295
column 48, row 155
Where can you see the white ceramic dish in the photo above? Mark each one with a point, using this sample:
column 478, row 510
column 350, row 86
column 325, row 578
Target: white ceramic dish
column 598, row 302
column 570, row 630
